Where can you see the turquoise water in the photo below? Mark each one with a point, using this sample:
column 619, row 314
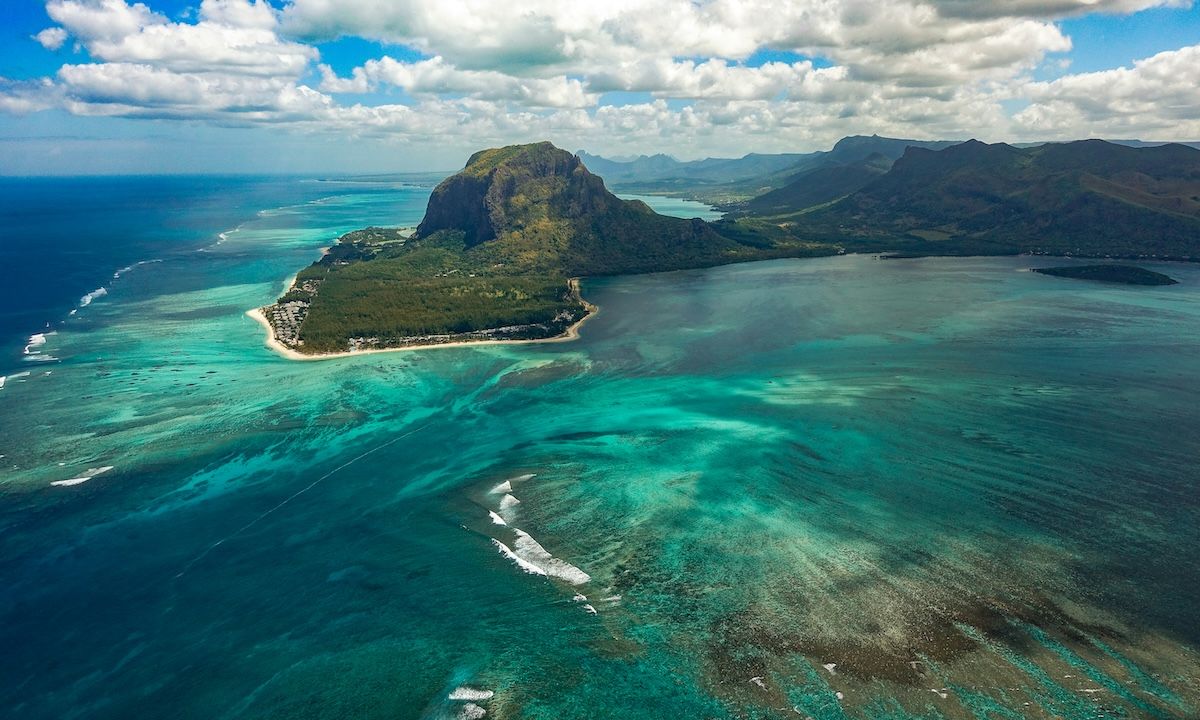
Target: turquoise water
column 834, row 488
column 676, row 206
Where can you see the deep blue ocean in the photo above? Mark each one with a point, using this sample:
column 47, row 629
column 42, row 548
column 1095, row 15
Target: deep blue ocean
column 836, row 488
column 61, row 238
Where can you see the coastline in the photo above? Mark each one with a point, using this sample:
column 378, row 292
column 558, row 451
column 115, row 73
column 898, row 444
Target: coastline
column 571, row 333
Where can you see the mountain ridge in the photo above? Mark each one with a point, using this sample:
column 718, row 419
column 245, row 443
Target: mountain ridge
column 1086, row 197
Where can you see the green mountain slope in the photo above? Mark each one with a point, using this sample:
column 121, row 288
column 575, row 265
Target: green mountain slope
column 818, row 186
column 1088, row 197
column 730, row 183
column 850, row 166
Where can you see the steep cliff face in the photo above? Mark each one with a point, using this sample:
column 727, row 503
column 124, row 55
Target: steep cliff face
column 538, row 208
column 460, row 203
column 502, row 189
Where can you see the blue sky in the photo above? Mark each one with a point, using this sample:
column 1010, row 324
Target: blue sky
column 301, row 86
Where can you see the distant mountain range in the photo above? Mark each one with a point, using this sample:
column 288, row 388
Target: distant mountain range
column 727, row 182
column 713, row 171
column 1128, row 198
column 1086, row 198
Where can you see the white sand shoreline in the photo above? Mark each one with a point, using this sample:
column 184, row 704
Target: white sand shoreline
column 272, row 342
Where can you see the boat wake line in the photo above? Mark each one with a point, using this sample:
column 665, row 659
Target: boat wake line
column 292, row 497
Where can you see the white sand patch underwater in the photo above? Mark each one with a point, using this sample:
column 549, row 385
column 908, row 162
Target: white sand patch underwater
column 87, row 475
column 465, row 692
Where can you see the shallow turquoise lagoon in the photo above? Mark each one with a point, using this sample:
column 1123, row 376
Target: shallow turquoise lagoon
column 678, row 207
column 834, row 488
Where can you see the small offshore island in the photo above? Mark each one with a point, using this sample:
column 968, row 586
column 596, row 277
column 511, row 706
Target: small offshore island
column 504, row 242
column 1123, row 274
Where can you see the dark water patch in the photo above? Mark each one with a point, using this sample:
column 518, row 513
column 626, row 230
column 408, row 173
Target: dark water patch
column 204, row 313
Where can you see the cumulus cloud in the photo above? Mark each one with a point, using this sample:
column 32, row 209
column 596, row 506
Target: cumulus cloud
column 51, row 38
column 231, row 35
column 230, row 64
column 548, row 35
column 501, row 72
column 23, row 97
column 1160, row 94
column 436, row 76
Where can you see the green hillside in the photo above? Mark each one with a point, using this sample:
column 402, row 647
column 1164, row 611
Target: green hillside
column 1085, row 198
column 820, row 185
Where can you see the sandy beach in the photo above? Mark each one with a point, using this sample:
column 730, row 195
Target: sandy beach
column 273, row 343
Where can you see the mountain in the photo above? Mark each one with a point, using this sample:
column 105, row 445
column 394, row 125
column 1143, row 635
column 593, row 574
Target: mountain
column 729, row 182
column 856, row 148
column 1088, row 197
column 1150, row 143
column 494, row 257
column 643, row 167
column 819, row 185
column 851, row 165
column 666, row 171
column 536, row 207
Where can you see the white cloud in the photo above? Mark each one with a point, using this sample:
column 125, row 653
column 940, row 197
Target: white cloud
column 549, row 36
column 51, row 38
column 436, row 76
column 24, row 97
column 102, row 19
column 497, row 73
column 1159, row 96
column 232, row 35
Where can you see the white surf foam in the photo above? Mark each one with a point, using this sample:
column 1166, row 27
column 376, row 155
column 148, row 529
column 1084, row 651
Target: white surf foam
column 35, row 341
column 508, row 501
column 589, row 609
column 72, row 481
column 117, row 275
column 495, row 518
column 531, row 551
column 507, row 485
column 465, row 692
column 87, row 475
column 3, row 378
column 522, row 563
column 93, row 295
